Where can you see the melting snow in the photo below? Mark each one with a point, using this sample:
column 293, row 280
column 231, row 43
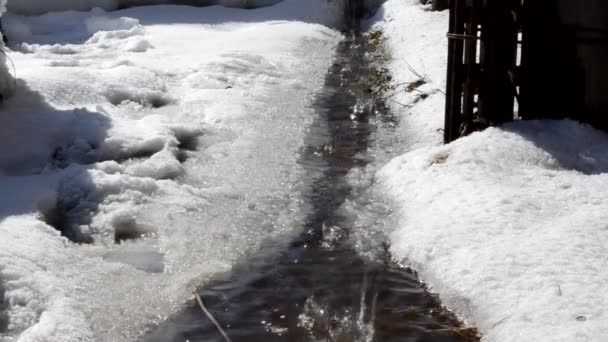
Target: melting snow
column 145, row 135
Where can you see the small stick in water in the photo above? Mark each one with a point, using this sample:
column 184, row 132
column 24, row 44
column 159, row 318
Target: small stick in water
column 199, row 300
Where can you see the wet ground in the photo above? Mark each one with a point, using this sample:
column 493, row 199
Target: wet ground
column 320, row 288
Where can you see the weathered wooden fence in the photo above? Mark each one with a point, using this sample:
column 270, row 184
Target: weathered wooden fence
column 550, row 55
column 565, row 61
column 482, row 64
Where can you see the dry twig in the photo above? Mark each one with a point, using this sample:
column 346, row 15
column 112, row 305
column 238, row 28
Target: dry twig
column 199, row 300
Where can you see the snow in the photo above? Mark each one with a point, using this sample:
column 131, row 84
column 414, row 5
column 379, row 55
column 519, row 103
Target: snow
column 507, row 225
column 510, row 231
column 416, row 40
column 36, row 7
column 164, row 139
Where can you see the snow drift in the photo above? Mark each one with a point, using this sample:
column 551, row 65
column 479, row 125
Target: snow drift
column 507, row 225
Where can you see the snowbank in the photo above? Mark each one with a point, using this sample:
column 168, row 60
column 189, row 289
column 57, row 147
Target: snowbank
column 507, row 225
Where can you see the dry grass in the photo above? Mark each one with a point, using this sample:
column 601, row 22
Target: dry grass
column 440, row 158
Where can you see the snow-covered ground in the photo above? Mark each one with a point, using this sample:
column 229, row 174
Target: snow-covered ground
column 168, row 136
column 165, row 135
column 510, row 225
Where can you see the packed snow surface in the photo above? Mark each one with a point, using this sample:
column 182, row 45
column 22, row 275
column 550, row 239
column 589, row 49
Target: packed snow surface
column 163, row 142
column 508, row 225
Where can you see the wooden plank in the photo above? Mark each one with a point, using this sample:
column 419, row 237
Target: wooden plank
column 471, row 67
column 453, row 117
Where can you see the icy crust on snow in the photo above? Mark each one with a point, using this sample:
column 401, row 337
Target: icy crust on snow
column 175, row 160
column 510, row 227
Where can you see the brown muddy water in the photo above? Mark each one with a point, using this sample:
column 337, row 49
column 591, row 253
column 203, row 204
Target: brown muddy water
column 320, row 288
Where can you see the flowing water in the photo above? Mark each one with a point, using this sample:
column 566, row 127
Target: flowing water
column 320, row 288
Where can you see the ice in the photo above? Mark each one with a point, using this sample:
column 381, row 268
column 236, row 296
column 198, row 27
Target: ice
column 133, row 151
column 145, row 259
column 149, row 150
